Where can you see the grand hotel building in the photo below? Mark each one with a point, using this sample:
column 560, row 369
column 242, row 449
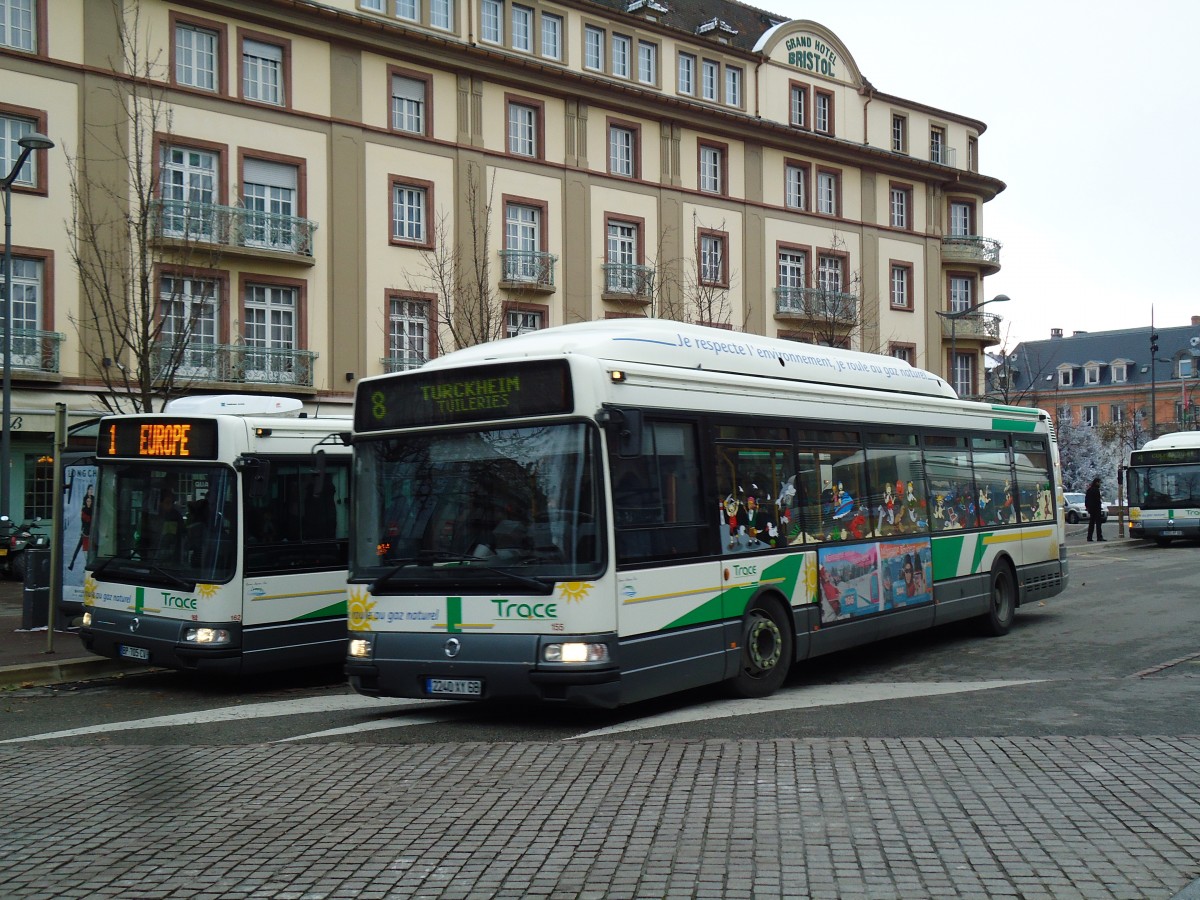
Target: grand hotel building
column 327, row 166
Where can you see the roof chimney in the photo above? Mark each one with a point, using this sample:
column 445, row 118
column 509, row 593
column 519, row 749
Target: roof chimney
column 1195, row 321
column 1055, row 334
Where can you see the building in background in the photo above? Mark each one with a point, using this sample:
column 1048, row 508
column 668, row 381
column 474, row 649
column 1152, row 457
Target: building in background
column 1112, row 380
column 337, row 188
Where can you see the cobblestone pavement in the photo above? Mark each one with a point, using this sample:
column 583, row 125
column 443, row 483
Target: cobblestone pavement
column 827, row 818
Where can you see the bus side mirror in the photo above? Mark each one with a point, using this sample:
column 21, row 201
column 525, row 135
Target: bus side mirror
column 257, row 475
column 626, row 424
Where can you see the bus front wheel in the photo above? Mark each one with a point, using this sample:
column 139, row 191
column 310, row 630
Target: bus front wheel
column 766, row 654
column 1002, row 600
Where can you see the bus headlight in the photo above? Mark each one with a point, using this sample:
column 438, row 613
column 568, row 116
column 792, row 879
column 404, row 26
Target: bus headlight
column 206, row 636
column 87, row 618
column 575, row 652
column 359, row 648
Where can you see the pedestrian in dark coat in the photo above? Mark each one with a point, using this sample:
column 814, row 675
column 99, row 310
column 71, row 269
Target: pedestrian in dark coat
column 1095, row 510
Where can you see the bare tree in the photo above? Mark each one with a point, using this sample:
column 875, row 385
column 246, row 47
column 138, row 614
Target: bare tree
column 697, row 289
column 120, row 234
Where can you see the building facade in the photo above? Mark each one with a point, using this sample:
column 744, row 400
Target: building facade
column 1137, row 383
column 328, row 189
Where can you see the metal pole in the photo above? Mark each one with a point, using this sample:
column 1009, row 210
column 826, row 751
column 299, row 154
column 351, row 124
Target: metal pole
column 5, row 418
column 56, row 552
column 953, row 353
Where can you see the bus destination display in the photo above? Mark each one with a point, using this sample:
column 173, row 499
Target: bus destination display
column 158, row 438
column 464, row 395
column 1165, row 457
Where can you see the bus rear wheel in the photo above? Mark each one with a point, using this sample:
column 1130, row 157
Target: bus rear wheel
column 1002, row 600
column 766, row 655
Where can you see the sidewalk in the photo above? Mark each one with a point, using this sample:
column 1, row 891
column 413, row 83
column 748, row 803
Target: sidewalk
column 23, row 657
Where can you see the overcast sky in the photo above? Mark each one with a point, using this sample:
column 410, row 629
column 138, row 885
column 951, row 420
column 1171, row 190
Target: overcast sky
column 1092, row 124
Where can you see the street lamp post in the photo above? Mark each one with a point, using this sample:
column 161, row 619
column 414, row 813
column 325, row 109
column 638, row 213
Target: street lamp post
column 28, row 144
column 954, row 317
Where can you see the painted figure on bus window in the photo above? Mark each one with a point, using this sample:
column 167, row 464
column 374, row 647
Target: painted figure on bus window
column 886, row 514
column 729, row 511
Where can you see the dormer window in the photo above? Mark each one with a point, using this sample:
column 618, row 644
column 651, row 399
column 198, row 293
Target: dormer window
column 1064, row 377
column 1120, row 372
column 1091, row 374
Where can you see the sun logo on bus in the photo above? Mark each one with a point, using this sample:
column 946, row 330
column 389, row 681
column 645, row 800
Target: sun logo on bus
column 89, row 591
column 358, row 608
column 206, row 591
column 810, row 578
column 574, row 591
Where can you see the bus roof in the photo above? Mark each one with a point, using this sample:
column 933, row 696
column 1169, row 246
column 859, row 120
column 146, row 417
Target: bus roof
column 1178, row 440
column 658, row 342
column 234, row 405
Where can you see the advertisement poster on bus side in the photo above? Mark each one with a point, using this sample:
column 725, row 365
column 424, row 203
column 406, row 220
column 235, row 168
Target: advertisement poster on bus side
column 906, row 570
column 848, row 582
column 79, row 497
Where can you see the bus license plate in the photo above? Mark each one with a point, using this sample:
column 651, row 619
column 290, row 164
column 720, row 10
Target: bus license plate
column 133, row 652
column 455, row 687
column 1170, row 532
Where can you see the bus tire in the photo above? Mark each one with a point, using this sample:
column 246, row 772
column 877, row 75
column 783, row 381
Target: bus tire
column 1002, row 600
column 767, row 650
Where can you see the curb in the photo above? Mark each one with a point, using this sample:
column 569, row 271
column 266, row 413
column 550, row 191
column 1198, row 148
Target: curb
column 57, row 672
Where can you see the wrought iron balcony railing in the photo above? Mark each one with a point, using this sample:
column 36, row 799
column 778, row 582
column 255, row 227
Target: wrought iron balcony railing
column 528, row 268
column 33, row 350
column 971, row 248
column 972, row 325
column 402, row 363
column 632, row 281
column 238, row 364
column 232, row 226
column 818, row 304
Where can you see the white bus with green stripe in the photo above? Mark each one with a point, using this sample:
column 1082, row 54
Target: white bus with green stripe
column 605, row 512
column 1163, row 483
column 219, row 537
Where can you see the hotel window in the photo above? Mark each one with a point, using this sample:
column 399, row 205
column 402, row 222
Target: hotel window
column 622, row 256
column 522, row 321
column 408, row 9
column 793, row 273
column 901, row 286
column 795, row 186
column 823, row 112
column 687, row 74
column 441, row 14
column 829, row 274
column 733, row 86
column 523, row 243
column 27, row 308
column 270, row 192
column 937, row 144
column 827, row 193
column 409, row 214
column 491, row 21
column 270, row 328
column 593, row 48
column 1119, row 373
column 17, row 25
column 1064, row 378
column 408, row 333
column 522, row 130
column 902, row 351
column 522, row 28
column 408, row 104
column 962, row 289
column 373, row 5
column 552, row 29
column 1116, row 413
column 647, row 62
column 188, row 190
column 961, row 215
column 262, row 72
column 12, row 129
column 901, row 203
column 799, row 106
column 622, row 151
column 189, row 322
column 712, row 259
column 962, row 373
column 1091, row 375
column 973, row 154
column 620, row 56
column 1090, row 416
column 196, row 56
column 708, row 79
column 899, row 133
column 712, row 169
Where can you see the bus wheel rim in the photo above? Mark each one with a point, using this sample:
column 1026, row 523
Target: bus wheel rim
column 764, row 643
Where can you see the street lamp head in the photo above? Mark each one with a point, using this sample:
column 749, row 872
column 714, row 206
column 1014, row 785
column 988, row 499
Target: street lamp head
column 35, row 141
column 999, row 298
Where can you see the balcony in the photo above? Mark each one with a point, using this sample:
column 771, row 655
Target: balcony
column 527, row 270
column 238, row 364
column 817, row 304
column 401, row 363
column 232, row 227
column 970, row 249
column 627, row 282
column 34, row 351
column 972, row 326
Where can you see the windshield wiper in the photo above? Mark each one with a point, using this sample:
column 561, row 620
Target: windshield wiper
column 475, row 563
column 141, row 567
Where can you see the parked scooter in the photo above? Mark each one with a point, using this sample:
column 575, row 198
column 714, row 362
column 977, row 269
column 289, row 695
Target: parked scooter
column 16, row 539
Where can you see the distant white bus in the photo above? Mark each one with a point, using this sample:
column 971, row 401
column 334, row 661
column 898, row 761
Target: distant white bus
column 1163, row 484
column 218, row 540
column 605, row 512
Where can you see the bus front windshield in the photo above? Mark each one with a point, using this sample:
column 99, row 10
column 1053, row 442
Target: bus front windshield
column 477, row 508
column 1160, row 487
column 168, row 525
